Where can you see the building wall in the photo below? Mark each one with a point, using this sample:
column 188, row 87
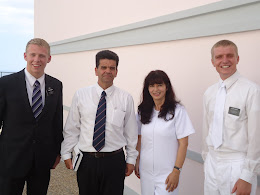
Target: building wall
column 58, row 20
column 175, row 36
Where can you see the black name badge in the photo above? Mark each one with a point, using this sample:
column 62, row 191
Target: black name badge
column 234, row 111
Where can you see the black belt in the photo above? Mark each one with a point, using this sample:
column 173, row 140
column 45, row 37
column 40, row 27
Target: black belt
column 103, row 154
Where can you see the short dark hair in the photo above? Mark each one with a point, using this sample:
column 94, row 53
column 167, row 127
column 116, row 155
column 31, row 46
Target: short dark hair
column 145, row 109
column 106, row 54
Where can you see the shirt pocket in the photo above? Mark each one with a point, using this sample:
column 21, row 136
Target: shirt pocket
column 233, row 121
column 118, row 117
column 88, row 113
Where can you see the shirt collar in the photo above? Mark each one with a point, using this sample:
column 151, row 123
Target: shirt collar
column 108, row 91
column 232, row 79
column 31, row 79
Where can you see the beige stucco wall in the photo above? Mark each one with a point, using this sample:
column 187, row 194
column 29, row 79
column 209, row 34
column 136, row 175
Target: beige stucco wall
column 187, row 62
column 59, row 19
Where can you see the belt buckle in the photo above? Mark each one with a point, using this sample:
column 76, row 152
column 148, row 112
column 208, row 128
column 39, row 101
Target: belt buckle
column 99, row 155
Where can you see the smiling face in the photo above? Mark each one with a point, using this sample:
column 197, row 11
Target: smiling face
column 106, row 72
column 37, row 58
column 158, row 92
column 225, row 60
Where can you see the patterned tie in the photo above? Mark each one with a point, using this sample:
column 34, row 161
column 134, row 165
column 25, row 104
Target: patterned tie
column 37, row 99
column 100, row 124
column 217, row 126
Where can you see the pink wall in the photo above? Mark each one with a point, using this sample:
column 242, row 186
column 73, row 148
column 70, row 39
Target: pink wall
column 59, row 19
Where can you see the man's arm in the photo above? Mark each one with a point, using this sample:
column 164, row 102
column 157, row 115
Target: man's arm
column 58, row 121
column 131, row 135
column 71, row 130
column 252, row 162
column 58, row 125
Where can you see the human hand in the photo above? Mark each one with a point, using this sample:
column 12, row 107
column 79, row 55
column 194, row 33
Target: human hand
column 172, row 180
column 242, row 187
column 57, row 161
column 129, row 169
column 137, row 168
column 68, row 163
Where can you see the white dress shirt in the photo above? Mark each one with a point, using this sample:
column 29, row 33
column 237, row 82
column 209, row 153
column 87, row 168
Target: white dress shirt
column 30, row 80
column 241, row 128
column 121, row 126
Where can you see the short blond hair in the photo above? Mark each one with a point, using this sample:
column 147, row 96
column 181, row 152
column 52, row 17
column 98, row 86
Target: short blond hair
column 223, row 43
column 40, row 42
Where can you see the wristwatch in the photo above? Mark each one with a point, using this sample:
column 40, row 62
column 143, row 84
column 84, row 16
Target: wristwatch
column 178, row 168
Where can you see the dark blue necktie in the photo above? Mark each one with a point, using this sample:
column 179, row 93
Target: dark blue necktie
column 37, row 99
column 100, row 124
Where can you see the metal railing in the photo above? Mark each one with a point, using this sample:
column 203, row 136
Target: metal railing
column 2, row 73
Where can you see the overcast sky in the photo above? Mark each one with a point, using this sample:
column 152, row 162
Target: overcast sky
column 16, row 29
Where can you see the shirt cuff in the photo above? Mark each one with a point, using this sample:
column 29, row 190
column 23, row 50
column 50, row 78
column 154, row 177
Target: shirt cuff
column 131, row 160
column 247, row 176
column 66, row 156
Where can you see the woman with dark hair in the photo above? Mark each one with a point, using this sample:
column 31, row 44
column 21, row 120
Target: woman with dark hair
column 164, row 127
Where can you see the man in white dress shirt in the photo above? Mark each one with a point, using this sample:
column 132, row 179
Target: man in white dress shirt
column 231, row 127
column 102, row 171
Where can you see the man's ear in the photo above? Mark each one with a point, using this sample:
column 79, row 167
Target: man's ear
column 49, row 59
column 116, row 72
column 25, row 56
column 212, row 61
column 96, row 71
column 237, row 59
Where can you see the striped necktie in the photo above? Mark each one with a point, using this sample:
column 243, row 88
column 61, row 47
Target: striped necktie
column 100, row 124
column 37, row 99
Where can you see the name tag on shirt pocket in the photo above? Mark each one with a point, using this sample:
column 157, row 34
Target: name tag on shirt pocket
column 118, row 117
column 234, row 111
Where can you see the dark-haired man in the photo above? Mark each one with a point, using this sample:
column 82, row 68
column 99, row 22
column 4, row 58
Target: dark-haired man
column 101, row 122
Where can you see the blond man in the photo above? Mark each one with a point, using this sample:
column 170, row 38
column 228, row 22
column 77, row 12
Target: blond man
column 231, row 127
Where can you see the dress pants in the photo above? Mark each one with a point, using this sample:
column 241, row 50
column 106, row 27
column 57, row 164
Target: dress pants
column 222, row 171
column 101, row 176
column 37, row 181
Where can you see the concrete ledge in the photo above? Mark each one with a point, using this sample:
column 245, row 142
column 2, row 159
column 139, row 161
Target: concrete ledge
column 129, row 191
column 66, row 108
column 229, row 16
